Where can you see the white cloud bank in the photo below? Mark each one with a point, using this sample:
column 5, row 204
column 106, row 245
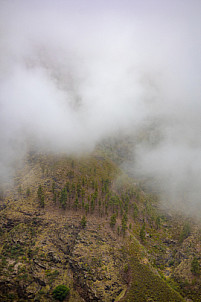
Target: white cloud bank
column 74, row 72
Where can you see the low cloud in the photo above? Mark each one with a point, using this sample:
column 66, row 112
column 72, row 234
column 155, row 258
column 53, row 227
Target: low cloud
column 73, row 74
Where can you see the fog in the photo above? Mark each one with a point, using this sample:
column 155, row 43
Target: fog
column 75, row 72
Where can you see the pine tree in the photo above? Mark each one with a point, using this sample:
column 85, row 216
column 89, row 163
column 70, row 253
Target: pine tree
column 83, row 222
column 142, row 232
column 113, row 220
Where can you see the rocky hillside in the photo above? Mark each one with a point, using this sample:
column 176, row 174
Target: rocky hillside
column 85, row 224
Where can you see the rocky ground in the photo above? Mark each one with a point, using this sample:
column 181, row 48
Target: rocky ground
column 146, row 255
column 40, row 252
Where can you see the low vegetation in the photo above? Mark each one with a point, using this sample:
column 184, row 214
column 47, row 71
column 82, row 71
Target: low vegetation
column 60, row 292
column 86, row 224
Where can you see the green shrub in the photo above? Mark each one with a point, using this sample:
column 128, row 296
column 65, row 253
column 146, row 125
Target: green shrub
column 60, row 292
column 195, row 267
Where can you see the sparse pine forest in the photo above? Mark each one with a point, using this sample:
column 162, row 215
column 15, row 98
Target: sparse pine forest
column 80, row 229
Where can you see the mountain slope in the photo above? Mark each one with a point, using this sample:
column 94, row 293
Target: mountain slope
column 84, row 224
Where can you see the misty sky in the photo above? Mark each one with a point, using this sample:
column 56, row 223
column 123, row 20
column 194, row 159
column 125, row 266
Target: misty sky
column 75, row 72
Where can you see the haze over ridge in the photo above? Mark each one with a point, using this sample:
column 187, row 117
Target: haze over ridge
column 73, row 73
